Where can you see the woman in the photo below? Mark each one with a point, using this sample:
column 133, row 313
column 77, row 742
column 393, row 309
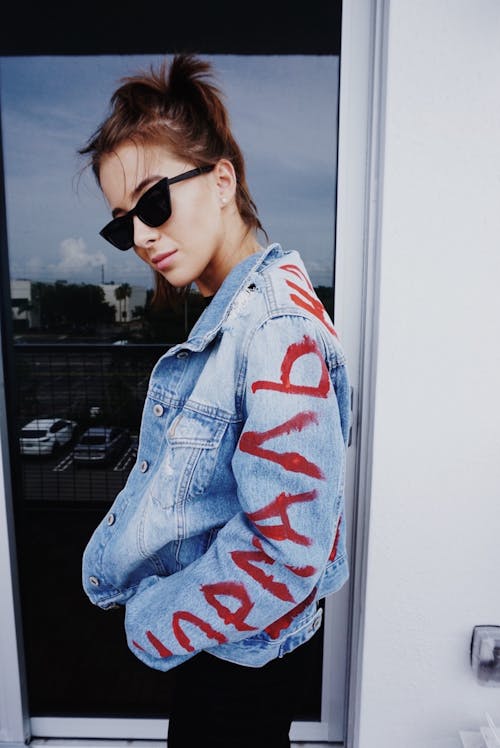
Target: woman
column 230, row 528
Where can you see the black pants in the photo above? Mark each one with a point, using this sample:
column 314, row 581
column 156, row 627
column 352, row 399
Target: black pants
column 217, row 704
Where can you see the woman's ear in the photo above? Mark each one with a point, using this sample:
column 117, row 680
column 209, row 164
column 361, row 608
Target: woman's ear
column 225, row 180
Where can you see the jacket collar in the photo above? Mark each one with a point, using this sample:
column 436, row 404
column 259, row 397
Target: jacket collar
column 210, row 322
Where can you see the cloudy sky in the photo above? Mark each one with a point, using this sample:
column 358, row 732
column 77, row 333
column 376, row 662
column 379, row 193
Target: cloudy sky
column 284, row 114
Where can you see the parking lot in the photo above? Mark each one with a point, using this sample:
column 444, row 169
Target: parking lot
column 92, row 386
column 58, row 478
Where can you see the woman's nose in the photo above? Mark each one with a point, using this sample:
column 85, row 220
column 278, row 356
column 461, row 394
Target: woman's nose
column 144, row 235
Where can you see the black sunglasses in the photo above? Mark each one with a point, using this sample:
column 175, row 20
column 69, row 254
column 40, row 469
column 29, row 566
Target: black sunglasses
column 153, row 208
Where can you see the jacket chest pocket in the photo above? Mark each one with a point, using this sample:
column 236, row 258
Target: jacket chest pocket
column 193, row 442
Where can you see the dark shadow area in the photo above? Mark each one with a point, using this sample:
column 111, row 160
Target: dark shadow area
column 78, row 662
column 207, row 28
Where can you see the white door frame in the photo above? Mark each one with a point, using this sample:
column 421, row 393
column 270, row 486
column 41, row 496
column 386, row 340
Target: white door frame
column 362, row 125
column 359, row 146
column 14, row 722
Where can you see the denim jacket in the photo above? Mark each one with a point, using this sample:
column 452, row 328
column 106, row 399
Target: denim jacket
column 231, row 526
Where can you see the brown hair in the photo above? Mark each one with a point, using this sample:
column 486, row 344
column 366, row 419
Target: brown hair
column 178, row 106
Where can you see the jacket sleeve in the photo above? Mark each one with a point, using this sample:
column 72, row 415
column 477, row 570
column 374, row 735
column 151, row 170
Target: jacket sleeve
column 289, row 468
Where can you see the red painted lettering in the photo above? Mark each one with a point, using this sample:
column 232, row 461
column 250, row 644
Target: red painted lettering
column 275, row 629
column 294, row 352
column 302, row 571
column 158, row 645
column 185, row 615
column 311, row 304
column 306, row 300
column 246, row 561
column 251, row 442
column 333, row 552
column 278, row 508
column 231, row 589
column 295, row 270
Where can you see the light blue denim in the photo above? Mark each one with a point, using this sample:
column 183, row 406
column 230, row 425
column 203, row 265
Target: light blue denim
column 231, row 526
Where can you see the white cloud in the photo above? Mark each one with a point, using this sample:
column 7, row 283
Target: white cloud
column 75, row 258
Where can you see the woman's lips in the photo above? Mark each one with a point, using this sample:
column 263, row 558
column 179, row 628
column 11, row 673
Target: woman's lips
column 163, row 261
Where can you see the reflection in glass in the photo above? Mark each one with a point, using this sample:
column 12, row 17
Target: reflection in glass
column 86, row 336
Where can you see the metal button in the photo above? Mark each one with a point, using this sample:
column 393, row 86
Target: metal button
column 94, row 581
column 182, row 354
column 111, row 519
column 158, row 409
column 144, row 466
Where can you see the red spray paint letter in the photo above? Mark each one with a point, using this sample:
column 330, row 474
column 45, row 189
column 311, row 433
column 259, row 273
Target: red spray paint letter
column 293, row 353
column 185, row 615
column 231, row 589
column 295, row 270
column 246, row 561
column 278, row 508
column 311, row 304
column 251, row 442
column 158, row 645
column 275, row 629
column 333, row 552
column 306, row 300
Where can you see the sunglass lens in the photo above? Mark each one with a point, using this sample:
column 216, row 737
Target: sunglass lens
column 154, row 206
column 120, row 233
column 153, row 209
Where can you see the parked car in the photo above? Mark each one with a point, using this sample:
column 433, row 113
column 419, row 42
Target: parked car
column 99, row 444
column 44, row 436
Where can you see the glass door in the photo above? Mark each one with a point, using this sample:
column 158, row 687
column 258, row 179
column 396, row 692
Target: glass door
column 66, row 374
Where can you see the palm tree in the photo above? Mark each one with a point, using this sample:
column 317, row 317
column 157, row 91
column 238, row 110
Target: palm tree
column 119, row 296
column 127, row 293
column 122, row 292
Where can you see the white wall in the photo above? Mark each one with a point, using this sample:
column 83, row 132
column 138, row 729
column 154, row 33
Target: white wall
column 433, row 564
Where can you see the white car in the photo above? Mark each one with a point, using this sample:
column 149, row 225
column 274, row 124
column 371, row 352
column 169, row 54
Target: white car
column 44, row 436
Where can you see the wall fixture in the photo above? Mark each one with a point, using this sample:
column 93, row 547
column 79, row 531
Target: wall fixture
column 485, row 654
